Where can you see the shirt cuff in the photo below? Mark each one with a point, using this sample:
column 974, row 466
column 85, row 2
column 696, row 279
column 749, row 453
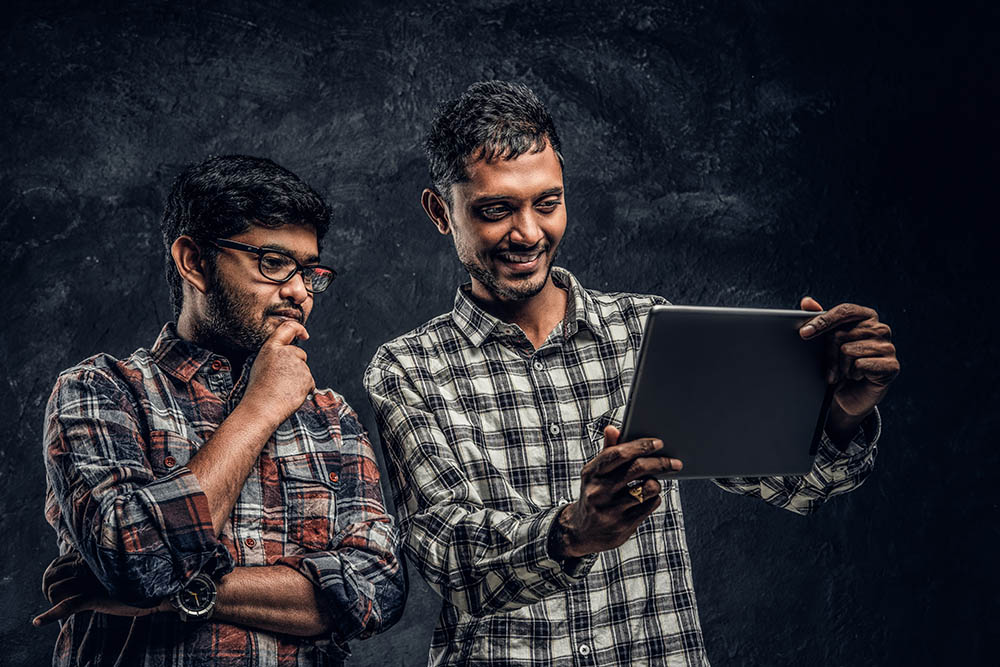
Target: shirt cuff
column 334, row 644
column 569, row 570
column 186, row 545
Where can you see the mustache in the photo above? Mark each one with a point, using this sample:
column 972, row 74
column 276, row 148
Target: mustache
column 283, row 310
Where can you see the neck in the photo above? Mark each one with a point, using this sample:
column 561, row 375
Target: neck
column 537, row 315
column 191, row 330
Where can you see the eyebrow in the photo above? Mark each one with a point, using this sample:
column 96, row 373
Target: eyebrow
column 482, row 199
column 310, row 259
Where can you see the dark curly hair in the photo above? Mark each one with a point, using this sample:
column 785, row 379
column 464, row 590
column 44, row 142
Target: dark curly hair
column 224, row 195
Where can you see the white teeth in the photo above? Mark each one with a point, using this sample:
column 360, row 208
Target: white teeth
column 521, row 259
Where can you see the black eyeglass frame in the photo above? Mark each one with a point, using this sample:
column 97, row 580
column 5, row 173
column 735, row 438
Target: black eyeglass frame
column 260, row 252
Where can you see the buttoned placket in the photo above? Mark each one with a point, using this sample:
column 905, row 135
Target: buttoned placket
column 245, row 521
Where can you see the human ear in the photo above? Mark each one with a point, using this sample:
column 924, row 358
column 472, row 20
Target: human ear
column 436, row 209
column 190, row 262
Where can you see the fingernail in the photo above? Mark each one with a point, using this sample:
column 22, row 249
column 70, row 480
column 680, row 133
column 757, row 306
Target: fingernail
column 808, row 330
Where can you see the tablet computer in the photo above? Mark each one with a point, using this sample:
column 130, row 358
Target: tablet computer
column 731, row 392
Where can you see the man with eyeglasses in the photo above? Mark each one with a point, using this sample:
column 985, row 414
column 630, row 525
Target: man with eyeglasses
column 211, row 504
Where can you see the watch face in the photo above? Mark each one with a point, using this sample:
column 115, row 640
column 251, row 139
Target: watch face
column 198, row 597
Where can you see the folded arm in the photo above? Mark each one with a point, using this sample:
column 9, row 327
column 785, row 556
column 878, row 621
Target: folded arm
column 143, row 537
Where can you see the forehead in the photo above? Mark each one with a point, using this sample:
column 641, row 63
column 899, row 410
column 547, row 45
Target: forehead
column 300, row 241
column 522, row 177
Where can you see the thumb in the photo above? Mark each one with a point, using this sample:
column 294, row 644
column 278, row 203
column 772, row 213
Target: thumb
column 611, row 435
column 809, row 303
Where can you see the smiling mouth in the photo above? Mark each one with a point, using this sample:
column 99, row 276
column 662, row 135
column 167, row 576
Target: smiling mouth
column 520, row 259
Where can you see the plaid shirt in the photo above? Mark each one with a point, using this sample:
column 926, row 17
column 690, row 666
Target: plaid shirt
column 486, row 437
column 118, row 435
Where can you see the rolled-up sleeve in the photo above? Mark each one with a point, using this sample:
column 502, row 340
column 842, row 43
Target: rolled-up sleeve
column 360, row 578
column 480, row 559
column 143, row 537
column 834, row 472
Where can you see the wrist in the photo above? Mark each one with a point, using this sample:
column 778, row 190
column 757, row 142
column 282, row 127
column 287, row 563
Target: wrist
column 563, row 543
column 841, row 427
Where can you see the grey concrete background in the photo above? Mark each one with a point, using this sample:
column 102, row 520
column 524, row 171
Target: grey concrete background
column 718, row 153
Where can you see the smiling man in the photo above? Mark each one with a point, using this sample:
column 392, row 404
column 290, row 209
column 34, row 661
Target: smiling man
column 500, row 420
column 211, row 505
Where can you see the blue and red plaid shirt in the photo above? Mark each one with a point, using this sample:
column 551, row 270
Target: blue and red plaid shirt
column 118, row 436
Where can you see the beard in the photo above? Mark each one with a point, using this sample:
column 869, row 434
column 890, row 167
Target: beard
column 230, row 323
column 235, row 323
column 517, row 291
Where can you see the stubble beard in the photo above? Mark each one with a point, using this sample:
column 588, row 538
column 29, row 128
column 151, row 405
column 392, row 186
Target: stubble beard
column 520, row 291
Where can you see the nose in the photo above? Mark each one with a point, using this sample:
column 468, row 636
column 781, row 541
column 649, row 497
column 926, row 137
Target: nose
column 525, row 230
column 295, row 289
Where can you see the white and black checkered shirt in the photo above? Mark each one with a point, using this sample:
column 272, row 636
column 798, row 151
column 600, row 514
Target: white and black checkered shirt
column 486, row 437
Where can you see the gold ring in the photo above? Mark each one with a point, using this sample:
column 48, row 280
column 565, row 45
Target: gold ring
column 636, row 492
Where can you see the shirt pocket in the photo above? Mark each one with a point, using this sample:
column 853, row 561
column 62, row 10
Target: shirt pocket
column 309, row 484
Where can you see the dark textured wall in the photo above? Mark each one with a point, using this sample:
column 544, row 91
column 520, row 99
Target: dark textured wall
column 718, row 153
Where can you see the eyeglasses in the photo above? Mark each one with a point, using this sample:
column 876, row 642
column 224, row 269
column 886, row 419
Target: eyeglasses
column 280, row 267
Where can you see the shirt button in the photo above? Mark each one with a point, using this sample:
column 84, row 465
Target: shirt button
column 538, row 365
column 334, row 477
column 554, row 429
column 170, row 462
column 217, row 365
column 584, row 649
column 250, row 542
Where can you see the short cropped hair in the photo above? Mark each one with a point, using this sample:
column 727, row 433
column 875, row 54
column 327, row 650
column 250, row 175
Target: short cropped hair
column 224, row 195
column 491, row 119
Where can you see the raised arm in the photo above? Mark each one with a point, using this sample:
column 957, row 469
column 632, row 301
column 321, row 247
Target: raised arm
column 145, row 537
column 861, row 364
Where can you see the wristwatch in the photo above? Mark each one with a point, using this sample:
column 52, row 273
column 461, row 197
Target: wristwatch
column 196, row 601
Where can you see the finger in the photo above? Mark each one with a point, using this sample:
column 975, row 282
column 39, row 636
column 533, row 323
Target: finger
column 288, row 332
column 636, row 514
column 611, row 435
column 809, row 303
column 866, row 329
column 300, row 353
column 53, row 588
column 651, row 466
column 615, row 456
column 649, row 486
column 67, row 588
column 878, row 370
column 58, row 612
column 837, row 316
column 868, row 348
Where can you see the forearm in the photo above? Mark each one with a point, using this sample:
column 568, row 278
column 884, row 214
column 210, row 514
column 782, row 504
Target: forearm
column 489, row 561
column 274, row 599
column 223, row 463
column 836, row 470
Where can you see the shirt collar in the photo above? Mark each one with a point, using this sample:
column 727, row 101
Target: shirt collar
column 179, row 357
column 478, row 325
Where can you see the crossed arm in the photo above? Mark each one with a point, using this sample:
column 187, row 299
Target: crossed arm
column 137, row 539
